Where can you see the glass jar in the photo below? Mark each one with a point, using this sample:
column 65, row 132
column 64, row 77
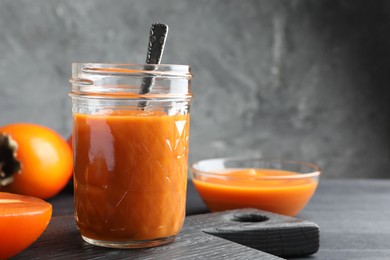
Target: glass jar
column 130, row 143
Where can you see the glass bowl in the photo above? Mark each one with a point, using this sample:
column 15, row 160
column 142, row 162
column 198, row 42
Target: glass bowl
column 278, row 186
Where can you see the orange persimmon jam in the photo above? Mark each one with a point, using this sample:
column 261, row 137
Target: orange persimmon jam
column 130, row 175
column 276, row 190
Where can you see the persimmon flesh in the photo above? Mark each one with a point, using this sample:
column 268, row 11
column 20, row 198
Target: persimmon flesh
column 22, row 220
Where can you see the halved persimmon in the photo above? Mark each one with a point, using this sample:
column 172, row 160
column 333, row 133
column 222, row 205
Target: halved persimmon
column 22, row 220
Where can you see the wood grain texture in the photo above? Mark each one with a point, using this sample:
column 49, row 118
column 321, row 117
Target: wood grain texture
column 353, row 215
column 272, row 233
column 62, row 241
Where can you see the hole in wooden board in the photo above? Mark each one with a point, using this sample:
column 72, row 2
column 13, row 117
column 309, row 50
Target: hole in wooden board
column 249, row 217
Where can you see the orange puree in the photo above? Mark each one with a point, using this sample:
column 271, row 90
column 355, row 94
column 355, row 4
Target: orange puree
column 245, row 188
column 130, row 174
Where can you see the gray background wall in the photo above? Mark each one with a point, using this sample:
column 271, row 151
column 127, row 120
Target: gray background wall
column 298, row 79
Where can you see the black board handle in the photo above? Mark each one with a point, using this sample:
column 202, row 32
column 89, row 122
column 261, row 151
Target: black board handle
column 271, row 233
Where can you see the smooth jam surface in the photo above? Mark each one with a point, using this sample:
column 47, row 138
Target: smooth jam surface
column 130, row 175
column 244, row 188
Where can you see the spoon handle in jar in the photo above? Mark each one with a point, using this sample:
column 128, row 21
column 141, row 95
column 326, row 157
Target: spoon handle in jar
column 157, row 39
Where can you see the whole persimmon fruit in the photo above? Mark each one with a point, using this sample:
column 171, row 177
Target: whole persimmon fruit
column 45, row 160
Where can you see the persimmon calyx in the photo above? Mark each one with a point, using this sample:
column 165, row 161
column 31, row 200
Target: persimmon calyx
column 9, row 164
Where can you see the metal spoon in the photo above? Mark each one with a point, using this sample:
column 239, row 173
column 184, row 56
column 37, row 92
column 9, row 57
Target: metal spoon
column 157, row 39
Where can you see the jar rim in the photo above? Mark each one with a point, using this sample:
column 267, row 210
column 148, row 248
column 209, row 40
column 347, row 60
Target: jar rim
column 130, row 69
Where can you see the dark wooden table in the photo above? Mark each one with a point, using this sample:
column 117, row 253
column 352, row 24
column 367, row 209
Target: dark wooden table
column 353, row 215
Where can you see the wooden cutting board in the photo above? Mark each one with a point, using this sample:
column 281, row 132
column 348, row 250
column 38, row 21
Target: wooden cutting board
column 237, row 234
